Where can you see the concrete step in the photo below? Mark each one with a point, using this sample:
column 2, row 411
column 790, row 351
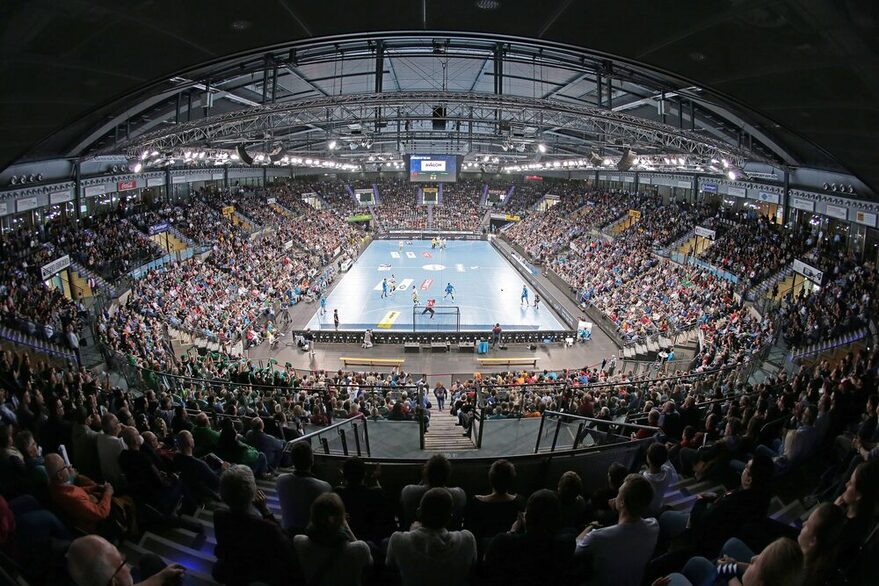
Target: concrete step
column 186, row 556
column 193, row 577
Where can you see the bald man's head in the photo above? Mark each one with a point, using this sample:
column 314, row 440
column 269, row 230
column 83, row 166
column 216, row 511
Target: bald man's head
column 94, row 560
column 56, row 469
column 185, row 442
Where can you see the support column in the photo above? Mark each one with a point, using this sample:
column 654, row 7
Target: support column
column 168, row 185
column 785, row 197
column 77, row 189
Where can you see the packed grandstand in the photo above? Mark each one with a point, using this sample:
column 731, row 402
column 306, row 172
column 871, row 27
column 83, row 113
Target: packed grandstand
column 166, row 466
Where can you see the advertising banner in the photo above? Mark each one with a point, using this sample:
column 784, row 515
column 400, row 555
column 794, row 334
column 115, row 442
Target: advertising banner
column 838, row 212
column 802, row 204
column 59, row 264
column 866, row 218
column 159, row 228
column 808, row 271
column 705, row 233
column 60, row 197
column 26, row 203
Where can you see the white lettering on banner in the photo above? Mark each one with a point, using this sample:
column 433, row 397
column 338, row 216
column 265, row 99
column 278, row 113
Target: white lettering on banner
column 736, row 191
column 395, row 254
column 614, row 177
column 271, row 200
column 685, row 184
column 808, row 271
column 216, row 176
column 433, row 165
column 155, row 181
column 865, row 218
column 4, row 209
column 179, row 179
column 60, row 197
column 802, row 204
column 94, row 190
column 645, row 180
column 410, row 254
column 840, row 213
column 705, row 232
column 26, row 203
column 59, row 264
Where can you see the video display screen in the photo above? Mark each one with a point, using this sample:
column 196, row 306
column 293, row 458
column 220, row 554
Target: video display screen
column 433, row 168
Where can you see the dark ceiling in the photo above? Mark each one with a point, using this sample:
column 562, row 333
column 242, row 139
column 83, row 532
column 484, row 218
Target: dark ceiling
column 811, row 66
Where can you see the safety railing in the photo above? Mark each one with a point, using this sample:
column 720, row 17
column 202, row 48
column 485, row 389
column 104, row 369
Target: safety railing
column 566, row 431
column 349, row 437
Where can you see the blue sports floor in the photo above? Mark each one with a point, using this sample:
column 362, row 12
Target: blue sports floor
column 487, row 290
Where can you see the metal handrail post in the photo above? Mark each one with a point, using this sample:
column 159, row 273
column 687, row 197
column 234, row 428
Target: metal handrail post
column 539, row 433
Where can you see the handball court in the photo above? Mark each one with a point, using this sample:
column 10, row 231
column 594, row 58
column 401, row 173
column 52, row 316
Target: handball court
column 487, row 290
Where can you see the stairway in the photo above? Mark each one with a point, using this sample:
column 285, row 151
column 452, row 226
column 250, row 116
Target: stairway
column 444, row 436
column 194, row 551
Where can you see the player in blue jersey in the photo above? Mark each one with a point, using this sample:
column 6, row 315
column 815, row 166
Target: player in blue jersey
column 450, row 291
column 384, row 287
column 323, row 305
column 524, row 298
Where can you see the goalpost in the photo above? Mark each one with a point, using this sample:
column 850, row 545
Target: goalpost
column 447, row 318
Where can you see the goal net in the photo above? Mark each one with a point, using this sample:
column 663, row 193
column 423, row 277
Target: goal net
column 446, row 318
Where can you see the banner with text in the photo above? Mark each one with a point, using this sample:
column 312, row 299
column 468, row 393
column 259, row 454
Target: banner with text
column 59, row 264
column 808, row 271
column 705, row 233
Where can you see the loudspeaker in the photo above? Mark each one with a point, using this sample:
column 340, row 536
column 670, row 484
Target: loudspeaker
column 277, row 154
column 245, row 158
column 532, row 347
column 627, row 160
column 439, row 114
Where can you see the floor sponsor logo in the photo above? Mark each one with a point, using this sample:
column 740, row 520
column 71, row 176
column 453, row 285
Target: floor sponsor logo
column 426, row 284
column 434, row 267
column 410, row 254
column 384, row 267
column 426, row 254
column 388, row 320
column 395, row 254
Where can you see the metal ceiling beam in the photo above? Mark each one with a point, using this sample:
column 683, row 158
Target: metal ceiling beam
column 485, row 111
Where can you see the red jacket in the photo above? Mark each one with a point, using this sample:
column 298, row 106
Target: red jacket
column 80, row 502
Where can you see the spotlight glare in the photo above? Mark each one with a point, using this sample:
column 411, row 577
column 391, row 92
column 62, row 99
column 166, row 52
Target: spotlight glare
column 731, row 174
column 137, row 167
column 541, row 147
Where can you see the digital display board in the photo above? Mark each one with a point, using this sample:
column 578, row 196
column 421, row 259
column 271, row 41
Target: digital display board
column 364, row 196
column 433, row 168
column 430, row 195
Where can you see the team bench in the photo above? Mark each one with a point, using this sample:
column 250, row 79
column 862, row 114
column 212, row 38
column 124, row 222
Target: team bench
column 523, row 361
column 348, row 360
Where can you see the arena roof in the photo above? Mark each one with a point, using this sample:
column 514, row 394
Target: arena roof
column 785, row 82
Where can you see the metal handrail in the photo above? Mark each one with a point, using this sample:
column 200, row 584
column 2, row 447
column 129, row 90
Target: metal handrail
column 324, row 430
column 583, row 420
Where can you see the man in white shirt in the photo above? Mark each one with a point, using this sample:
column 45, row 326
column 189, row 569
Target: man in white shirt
column 617, row 555
column 297, row 491
column 660, row 473
column 430, row 554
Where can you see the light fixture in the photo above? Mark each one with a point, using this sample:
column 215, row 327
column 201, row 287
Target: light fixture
column 541, row 147
column 333, row 145
column 137, row 167
column 607, row 162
